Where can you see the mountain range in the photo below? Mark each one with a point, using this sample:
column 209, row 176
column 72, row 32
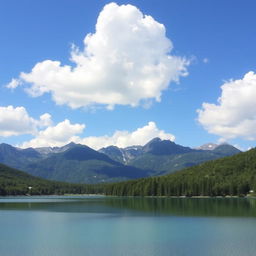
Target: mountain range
column 229, row 176
column 77, row 163
column 165, row 156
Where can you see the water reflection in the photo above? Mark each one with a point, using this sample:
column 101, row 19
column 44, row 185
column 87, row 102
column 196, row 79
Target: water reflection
column 237, row 207
column 64, row 226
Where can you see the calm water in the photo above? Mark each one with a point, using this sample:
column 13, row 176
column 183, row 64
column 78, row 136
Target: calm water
column 100, row 226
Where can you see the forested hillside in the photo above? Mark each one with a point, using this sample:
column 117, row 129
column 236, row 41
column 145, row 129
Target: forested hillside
column 14, row 182
column 235, row 175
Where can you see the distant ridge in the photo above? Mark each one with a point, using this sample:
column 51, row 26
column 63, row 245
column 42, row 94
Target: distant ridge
column 123, row 155
column 81, row 164
column 50, row 150
column 207, row 146
column 164, row 147
column 165, row 156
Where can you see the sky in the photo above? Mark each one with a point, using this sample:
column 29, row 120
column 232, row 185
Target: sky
column 121, row 73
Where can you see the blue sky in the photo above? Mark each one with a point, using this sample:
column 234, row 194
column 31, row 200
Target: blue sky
column 126, row 102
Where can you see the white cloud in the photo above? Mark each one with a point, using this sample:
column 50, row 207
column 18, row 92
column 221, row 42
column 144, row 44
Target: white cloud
column 16, row 121
column 14, row 83
column 124, row 138
column 45, row 120
column 66, row 132
column 59, row 135
column 235, row 114
column 126, row 61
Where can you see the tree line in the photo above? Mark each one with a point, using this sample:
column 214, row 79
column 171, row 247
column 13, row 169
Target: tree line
column 14, row 182
column 229, row 176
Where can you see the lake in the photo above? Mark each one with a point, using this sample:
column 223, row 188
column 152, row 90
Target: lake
column 112, row 226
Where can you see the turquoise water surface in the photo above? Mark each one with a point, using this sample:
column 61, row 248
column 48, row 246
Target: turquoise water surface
column 109, row 226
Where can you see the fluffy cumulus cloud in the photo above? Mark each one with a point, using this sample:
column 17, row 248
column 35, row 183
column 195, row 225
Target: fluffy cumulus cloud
column 124, row 138
column 16, row 121
column 126, row 61
column 235, row 114
column 66, row 132
column 59, row 135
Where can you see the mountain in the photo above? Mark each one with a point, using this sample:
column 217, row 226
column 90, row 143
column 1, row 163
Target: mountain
column 45, row 151
column 164, row 147
column 156, row 147
column 207, row 146
column 17, row 158
column 165, row 156
column 15, row 182
column 229, row 176
column 72, row 162
column 223, row 148
column 115, row 153
column 122, row 155
column 226, row 149
column 81, row 164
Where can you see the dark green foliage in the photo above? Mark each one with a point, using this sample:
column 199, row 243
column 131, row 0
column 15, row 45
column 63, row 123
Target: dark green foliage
column 170, row 163
column 14, row 182
column 187, row 206
column 235, row 175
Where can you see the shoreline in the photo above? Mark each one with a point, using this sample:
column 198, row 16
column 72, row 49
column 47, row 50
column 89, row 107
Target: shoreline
column 103, row 195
